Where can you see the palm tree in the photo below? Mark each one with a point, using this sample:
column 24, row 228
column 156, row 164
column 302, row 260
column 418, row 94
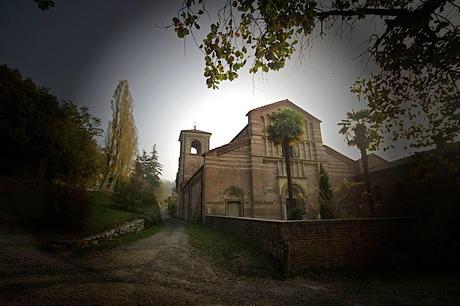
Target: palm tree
column 285, row 128
column 360, row 131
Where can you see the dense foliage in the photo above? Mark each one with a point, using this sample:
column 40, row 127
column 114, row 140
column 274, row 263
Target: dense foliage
column 44, row 138
column 350, row 199
column 171, row 204
column 138, row 190
column 296, row 213
column 361, row 130
column 414, row 95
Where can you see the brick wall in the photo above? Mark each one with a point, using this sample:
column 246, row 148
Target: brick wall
column 341, row 242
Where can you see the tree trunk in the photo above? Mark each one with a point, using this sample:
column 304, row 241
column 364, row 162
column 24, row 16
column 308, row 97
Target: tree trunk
column 287, row 160
column 367, row 181
column 105, row 176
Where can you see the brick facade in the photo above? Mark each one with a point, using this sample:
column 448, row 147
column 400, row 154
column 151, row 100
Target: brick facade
column 247, row 176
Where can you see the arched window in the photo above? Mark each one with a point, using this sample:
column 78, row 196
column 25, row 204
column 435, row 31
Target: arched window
column 293, row 151
column 298, row 198
column 195, row 148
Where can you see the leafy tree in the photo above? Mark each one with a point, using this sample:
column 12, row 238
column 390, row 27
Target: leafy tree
column 171, row 204
column 325, row 194
column 44, row 4
column 80, row 156
column 349, row 198
column 285, row 128
column 148, row 167
column 361, row 131
column 121, row 138
column 162, row 194
column 415, row 44
column 44, row 138
column 139, row 188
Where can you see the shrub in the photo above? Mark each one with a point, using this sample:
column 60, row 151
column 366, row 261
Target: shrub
column 296, row 213
column 172, row 202
column 152, row 216
column 350, row 200
column 135, row 195
column 68, row 208
column 325, row 210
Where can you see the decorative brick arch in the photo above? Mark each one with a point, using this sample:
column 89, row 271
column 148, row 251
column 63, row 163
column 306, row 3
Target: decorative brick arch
column 234, row 200
column 298, row 193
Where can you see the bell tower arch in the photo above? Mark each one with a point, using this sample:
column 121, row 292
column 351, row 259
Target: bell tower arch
column 193, row 144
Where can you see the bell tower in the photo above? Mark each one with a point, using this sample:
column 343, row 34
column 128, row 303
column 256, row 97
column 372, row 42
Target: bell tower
column 193, row 143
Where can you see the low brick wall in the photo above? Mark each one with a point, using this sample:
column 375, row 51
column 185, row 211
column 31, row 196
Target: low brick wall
column 340, row 242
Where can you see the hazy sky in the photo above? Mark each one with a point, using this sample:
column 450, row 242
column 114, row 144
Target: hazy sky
column 82, row 49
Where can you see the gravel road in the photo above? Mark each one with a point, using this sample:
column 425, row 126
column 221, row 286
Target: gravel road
column 165, row 270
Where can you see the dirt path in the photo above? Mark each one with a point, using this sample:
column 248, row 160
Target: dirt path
column 164, row 270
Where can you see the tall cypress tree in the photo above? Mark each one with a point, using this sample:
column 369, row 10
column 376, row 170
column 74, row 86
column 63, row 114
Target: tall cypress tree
column 121, row 139
column 325, row 194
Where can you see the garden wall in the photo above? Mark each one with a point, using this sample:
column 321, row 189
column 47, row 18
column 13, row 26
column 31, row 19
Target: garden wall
column 327, row 243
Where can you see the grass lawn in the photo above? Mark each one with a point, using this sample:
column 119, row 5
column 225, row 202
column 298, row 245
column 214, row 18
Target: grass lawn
column 105, row 215
column 29, row 208
column 231, row 253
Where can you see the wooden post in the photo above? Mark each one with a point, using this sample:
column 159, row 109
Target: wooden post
column 287, row 260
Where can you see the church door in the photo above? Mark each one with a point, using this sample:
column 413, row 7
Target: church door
column 234, row 209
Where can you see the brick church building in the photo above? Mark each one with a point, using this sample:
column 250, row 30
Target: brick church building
column 247, row 178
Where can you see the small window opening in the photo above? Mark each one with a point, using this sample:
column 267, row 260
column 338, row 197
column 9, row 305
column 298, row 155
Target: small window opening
column 195, row 148
column 293, row 152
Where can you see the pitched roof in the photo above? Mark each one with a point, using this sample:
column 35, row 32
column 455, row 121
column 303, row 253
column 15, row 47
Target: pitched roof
column 242, row 130
column 338, row 155
column 284, row 102
column 193, row 131
column 229, row 146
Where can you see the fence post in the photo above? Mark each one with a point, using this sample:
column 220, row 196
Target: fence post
column 287, row 259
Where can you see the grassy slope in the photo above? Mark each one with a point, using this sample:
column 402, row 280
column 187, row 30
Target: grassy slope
column 104, row 215
column 29, row 208
column 231, row 253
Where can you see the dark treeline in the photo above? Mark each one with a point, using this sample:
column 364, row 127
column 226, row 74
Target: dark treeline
column 49, row 147
column 45, row 139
